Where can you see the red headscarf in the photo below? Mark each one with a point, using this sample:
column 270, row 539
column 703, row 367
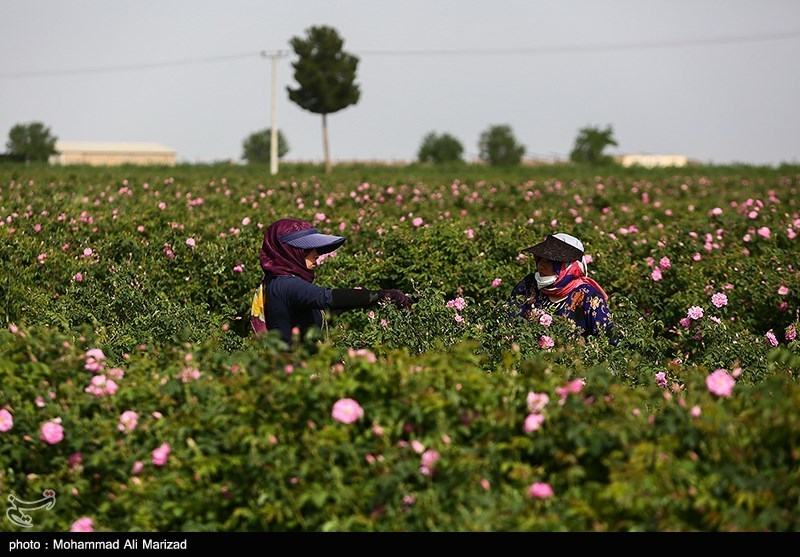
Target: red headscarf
column 279, row 259
column 570, row 277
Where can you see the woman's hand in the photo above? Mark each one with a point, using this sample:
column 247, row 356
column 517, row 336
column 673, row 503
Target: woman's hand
column 397, row 297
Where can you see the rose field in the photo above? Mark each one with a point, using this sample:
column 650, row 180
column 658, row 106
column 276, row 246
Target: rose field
column 133, row 395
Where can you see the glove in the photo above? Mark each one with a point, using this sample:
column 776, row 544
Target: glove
column 397, row 297
column 349, row 298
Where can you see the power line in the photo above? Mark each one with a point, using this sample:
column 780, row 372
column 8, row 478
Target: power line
column 115, row 69
column 563, row 49
column 590, row 48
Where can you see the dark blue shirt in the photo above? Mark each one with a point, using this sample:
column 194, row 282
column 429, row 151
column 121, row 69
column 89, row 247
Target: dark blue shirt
column 293, row 302
column 585, row 306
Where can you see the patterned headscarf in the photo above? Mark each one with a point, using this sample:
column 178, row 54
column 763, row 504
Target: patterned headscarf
column 570, row 276
column 280, row 259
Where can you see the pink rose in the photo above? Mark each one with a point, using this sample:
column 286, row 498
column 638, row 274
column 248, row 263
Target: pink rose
column 656, row 274
column 458, row 304
column 101, row 386
column 540, row 490
column 546, row 343
column 75, row 459
column 365, row 353
column 429, row 458
column 573, row 387
column 111, row 387
column 771, row 338
column 537, row 401
column 160, row 454
column 427, row 461
column 6, row 420
column 720, row 383
column 533, row 422
column 95, row 353
column 347, row 411
column 84, row 524
column 719, row 299
column 695, row 312
column 128, row 421
column 51, row 432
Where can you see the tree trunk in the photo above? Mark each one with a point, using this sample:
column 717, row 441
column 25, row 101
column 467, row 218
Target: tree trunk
column 325, row 144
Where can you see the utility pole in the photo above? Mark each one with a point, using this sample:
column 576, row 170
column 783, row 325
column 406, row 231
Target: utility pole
column 273, row 151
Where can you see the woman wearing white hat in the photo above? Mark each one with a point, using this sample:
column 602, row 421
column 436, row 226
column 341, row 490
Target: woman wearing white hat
column 286, row 297
column 560, row 287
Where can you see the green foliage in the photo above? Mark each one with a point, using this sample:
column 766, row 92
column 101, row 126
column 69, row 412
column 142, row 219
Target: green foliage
column 590, row 144
column 31, row 142
column 257, row 147
column 497, row 146
column 254, row 446
column 440, row 149
column 98, row 258
column 325, row 73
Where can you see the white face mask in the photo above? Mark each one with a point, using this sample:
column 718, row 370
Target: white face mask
column 544, row 282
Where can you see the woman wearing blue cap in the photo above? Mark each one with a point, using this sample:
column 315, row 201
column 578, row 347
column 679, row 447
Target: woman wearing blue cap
column 286, row 297
column 560, row 287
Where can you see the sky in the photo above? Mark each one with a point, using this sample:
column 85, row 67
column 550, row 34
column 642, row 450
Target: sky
column 715, row 80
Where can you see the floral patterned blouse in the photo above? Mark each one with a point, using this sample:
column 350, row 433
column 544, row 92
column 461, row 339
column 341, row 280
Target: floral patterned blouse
column 585, row 306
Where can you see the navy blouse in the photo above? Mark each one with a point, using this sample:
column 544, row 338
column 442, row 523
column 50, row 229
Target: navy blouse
column 585, row 306
column 294, row 302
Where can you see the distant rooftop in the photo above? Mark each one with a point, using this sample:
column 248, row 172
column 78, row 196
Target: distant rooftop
column 109, row 147
column 650, row 160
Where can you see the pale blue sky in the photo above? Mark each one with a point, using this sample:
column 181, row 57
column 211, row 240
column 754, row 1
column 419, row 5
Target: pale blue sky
column 716, row 80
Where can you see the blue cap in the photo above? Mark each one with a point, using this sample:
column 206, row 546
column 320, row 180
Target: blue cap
column 309, row 238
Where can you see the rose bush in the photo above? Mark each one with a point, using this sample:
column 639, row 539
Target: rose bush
column 131, row 387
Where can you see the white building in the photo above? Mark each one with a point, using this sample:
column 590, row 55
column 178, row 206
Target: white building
column 651, row 161
column 112, row 154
